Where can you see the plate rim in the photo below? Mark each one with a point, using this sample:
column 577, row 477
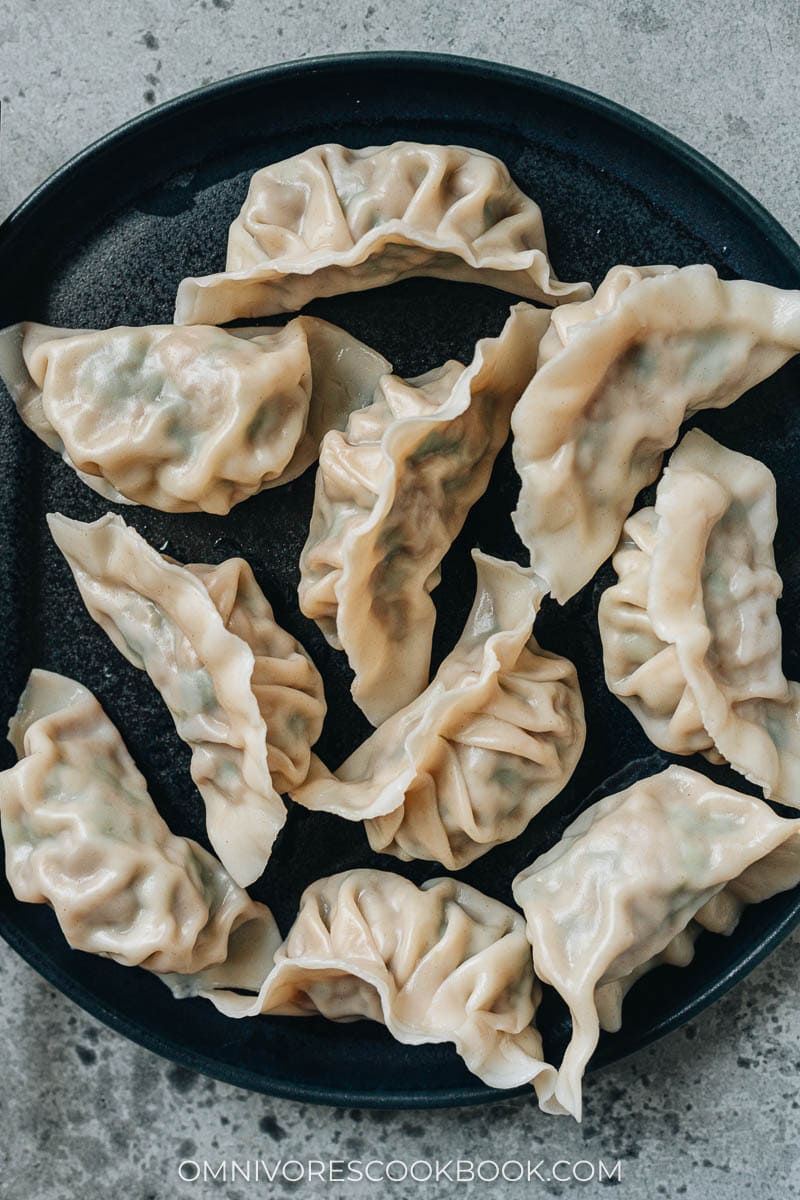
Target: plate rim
column 629, row 120
column 611, row 109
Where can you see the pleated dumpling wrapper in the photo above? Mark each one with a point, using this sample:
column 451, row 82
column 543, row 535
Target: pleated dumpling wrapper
column 243, row 693
column 82, row 835
column 632, row 883
column 393, row 491
column 691, row 637
column 436, row 963
column 333, row 220
column 616, row 377
column 491, row 741
column 186, row 420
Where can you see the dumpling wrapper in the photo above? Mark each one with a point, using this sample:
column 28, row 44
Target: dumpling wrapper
column 187, row 419
column 393, row 491
column 487, row 745
column 631, row 884
column 82, row 835
column 334, row 220
column 243, row 693
column 692, row 643
column 437, row 963
column 617, row 375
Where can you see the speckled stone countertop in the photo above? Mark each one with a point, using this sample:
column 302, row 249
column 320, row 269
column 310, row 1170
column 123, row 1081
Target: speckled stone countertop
column 712, row 1110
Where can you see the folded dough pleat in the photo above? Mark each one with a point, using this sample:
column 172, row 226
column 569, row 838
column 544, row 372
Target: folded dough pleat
column 437, row 963
column 631, row 884
column 187, row 419
column 692, row 643
column 616, row 377
column 243, row 693
column 334, row 220
column 82, row 835
column 487, row 745
column 393, row 491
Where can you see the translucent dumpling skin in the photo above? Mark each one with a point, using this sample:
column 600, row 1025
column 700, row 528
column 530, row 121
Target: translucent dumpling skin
column 617, row 375
column 437, row 963
column 487, row 745
column 691, row 637
column 334, row 220
column 393, row 491
column 631, row 884
column 186, row 419
column 243, row 693
column 82, row 835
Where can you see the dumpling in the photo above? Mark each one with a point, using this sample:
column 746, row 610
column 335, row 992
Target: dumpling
column 334, row 220
column 616, row 377
column 691, row 637
column 392, row 492
column 243, row 693
column 492, row 740
column 82, row 835
column 437, row 963
column 631, row 884
column 186, row 419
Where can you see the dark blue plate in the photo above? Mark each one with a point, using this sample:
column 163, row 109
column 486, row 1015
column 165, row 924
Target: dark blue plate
column 106, row 241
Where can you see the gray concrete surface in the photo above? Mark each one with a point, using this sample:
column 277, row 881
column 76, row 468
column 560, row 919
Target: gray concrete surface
column 710, row 1111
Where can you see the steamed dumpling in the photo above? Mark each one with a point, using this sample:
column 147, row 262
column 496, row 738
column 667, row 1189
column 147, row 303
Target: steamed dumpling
column 631, row 884
column 437, row 963
column 186, row 419
column 616, row 377
column 82, row 835
column 243, row 693
column 492, row 740
column 334, row 220
column 393, row 491
column 691, row 638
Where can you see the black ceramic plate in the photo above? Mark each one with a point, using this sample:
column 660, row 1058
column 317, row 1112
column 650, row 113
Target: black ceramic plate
column 105, row 242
